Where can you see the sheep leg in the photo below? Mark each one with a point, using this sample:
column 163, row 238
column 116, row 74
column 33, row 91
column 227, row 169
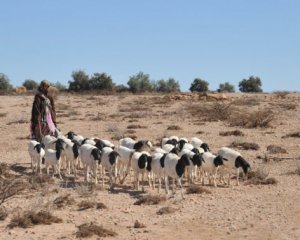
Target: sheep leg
column 173, row 186
column 142, row 182
column 167, row 185
column 180, row 185
column 237, row 177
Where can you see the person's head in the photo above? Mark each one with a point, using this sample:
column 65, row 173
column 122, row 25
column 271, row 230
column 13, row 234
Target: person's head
column 44, row 85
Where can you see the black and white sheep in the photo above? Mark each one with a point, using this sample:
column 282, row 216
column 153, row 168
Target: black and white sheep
column 90, row 157
column 174, row 167
column 235, row 161
column 36, row 152
column 210, row 166
column 138, row 146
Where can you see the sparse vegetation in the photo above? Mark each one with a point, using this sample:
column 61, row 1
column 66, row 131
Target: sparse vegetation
column 293, row 135
column 3, row 114
column 232, row 133
column 3, row 213
column 135, row 126
column 196, row 189
column 244, row 145
column 138, row 224
column 63, row 201
column 173, row 127
column 274, row 149
column 260, row 177
column 10, row 188
column 150, row 200
column 86, row 204
column 89, row 229
column 166, row 210
column 260, row 118
column 30, row 218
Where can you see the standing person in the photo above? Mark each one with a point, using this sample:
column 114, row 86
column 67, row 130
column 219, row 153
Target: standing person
column 43, row 116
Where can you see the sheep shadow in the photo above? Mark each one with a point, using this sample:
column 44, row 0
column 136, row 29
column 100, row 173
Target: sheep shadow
column 17, row 168
column 119, row 188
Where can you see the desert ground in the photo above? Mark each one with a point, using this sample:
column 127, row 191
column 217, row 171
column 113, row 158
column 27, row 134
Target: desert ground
column 268, row 124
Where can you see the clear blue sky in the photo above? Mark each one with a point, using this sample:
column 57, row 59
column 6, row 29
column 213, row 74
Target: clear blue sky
column 216, row 40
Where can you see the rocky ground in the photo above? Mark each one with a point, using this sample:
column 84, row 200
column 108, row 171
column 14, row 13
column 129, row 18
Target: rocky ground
column 248, row 211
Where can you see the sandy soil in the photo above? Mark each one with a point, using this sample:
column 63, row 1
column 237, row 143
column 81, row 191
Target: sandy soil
column 236, row 212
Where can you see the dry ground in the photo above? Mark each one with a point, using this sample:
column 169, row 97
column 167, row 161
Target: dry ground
column 247, row 211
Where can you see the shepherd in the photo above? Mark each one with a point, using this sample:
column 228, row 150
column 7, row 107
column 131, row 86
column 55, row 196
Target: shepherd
column 43, row 115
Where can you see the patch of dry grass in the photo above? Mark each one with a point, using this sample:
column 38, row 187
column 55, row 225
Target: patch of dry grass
column 85, row 189
column 281, row 94
column 174, row 127
column 150, row 200
column 40, row 181
column 3, row 114
column 20, row 121
column 100, row 205
column 196, row 189
column 260, row 177
column 86, row 204
column 255, row 119
column 135, row 126
column 138, row 224
column 166, row 210
column 3, row 213
column 293, row 135
column 63, row 201
column 244, row 145
column 89, row 229
column 30, row 218
column 11, row 187
column 232, row 133
column 252, row 101
column 274, row 149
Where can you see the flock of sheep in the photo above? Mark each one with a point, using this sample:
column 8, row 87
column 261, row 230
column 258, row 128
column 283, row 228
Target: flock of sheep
column 175, row 158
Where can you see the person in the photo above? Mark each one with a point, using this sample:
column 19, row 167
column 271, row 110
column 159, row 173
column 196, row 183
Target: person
column 43, row 115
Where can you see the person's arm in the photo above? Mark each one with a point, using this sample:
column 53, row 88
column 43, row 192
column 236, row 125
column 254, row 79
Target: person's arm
column 53, row 112
column 35, row 113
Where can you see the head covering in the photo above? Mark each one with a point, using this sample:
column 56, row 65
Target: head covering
column 44, row 83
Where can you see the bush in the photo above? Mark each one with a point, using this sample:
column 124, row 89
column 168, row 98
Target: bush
column 199, row 85
column 4, row 82
column 30, row 84
column 140, row 83
column 171, row 85
column 253, row 84
column 226, row 87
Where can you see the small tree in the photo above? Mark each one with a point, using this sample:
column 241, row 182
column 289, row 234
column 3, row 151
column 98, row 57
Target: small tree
column 4, row 82
column 30, row 84
column 226, row 87
column 59, row 86
column 171, row 85
column 140, row 83
column 199, row 85
column 101, row 81
column 253, row 84
column 80, row 81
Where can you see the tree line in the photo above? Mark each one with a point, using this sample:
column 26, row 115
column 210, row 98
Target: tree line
column 137, row 83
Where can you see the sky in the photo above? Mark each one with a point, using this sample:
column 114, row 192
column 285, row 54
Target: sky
column 216, row 40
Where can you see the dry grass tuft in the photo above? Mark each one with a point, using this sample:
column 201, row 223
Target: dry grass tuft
column 85, row 204
column 135, row 126
column 20, row 121
column 100, row 205
column 276, row 149
column 85, row 189
column 260, row 118
column 260, row 177
column 174, row 127
column 150, row 200
column 30, row 218
column 41, row 180
column 11, row 187
column 166, row 210
column 3, row 213
column 4, row 169
column 252, row 101
column 63, row 201
column 294, row 135
column 90, row 229
column 232, row 133
column 138, row 224
column 281, row 94
column 196, row 189
column 3, row 114
column 244, row 145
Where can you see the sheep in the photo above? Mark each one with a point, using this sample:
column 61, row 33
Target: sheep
column 124, row 161
column 195, row 162
column 53, row 158
column 174, row 166
column 169, row 148
column 138, row 146
column 157, row 166
column 167, row 140
column 210, row 165
column 91, row 158
column 235, row 161
column 49, row 142
column 73, row 136
column 109, row 161
column 37, row 153
column 72, row 155
column 140, row 163
column 101, row 143
column 89, row 141
column 196, row 142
